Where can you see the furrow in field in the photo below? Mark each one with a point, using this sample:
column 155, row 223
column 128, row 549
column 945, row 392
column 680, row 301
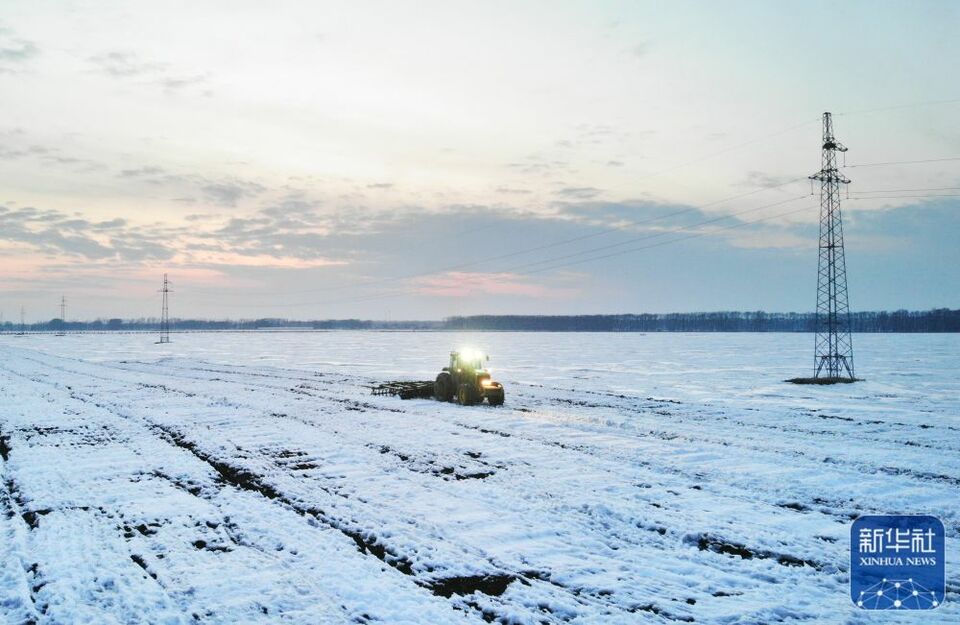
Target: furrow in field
column 104, row 526
column 603, row 518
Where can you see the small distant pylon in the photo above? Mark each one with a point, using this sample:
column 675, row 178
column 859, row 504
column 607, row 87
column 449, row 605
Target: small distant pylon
column 23, row 325
column 833, row 352
column 63, row 316
column 165, row 314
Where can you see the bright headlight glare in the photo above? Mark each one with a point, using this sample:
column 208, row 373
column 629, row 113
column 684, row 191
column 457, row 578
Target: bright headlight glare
column 469, row 354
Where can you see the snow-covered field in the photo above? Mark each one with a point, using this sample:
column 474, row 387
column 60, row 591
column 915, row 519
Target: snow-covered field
column 251, row 478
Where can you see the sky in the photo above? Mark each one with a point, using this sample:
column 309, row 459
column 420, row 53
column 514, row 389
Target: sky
column 417, row 160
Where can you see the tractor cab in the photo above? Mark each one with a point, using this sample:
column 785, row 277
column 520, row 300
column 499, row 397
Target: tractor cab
column 467, row 361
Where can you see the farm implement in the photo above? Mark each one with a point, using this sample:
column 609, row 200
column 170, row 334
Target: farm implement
column 465, row 380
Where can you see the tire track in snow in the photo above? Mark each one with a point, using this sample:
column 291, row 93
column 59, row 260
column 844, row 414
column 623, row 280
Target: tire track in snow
column 21, row 602
column 492, row 583
column 171, row 391
column 135, row 558
column 677, row 417
column 167, row 388
column 462, row 582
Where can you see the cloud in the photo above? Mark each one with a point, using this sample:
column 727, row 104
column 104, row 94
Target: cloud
column 227, row 193
column 14, row 52
column 12, row 153
column 292, row 228
column 18, row 51
column 380, row 185
column 177, row 83
column 762, row 179
column 51, row 232
column 83, row 164
column 463, row 284
column 147, row 170
column 121, row 64
column 482, row 253
column 536, row 165
column 219, row 258
column 579, row 193
column 125, row 65
column 594, row 135
column 641, row 216
column 290, row 233
column 14, row 149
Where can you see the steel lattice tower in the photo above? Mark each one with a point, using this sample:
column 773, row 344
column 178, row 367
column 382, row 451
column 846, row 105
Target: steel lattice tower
column 165, row 314
column 63, row 316
column 833, row 357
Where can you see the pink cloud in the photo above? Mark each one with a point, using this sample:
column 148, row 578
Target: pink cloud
column 460, row 284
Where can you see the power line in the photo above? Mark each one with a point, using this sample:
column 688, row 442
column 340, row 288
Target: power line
column 677, row 240
column 729, row 149
column 900, row 106
column 659, row 234
column 908, row 190
column 928, row 160
column 623, row 227
column 897, row 197
column 578, row 238
column 489, row 259
column 408, row 290
column 692, row 235
column 632, row 224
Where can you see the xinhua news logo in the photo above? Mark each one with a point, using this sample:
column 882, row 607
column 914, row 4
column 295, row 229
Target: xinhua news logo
column 896, row 562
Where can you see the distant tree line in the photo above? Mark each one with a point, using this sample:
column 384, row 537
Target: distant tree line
column 149, row 324
column 936, row 320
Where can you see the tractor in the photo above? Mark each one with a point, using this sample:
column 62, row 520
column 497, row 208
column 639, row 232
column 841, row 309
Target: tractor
column 468, row 381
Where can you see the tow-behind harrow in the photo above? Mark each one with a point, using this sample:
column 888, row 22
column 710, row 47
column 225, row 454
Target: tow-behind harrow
column 405, row 390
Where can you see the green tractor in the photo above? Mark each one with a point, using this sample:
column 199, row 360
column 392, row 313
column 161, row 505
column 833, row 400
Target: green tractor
column 468, row 381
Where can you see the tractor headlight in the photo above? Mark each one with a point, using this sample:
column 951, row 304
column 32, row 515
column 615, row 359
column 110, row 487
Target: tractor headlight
column 487, row 382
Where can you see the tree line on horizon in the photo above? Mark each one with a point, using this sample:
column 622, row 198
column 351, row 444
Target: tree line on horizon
column 935, row 320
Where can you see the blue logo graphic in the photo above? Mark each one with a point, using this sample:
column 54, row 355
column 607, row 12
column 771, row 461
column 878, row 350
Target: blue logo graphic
column 896, row 562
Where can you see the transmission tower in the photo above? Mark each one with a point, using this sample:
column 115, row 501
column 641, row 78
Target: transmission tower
column 23, row 325
column 165, row 314
column 63, row 316
column 833, row 354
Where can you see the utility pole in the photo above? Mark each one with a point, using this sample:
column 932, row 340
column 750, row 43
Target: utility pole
column 63, row 315
column 165, row 314
column 833, row 349
column 23, row 326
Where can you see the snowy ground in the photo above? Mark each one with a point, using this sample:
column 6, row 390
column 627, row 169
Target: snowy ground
column 250, row 478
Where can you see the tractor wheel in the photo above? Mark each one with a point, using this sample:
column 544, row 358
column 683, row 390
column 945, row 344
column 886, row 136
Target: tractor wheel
column 496, row 397
column 443, row 387
column 466, row 395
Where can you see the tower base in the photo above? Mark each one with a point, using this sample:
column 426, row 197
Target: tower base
column 822, row 380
